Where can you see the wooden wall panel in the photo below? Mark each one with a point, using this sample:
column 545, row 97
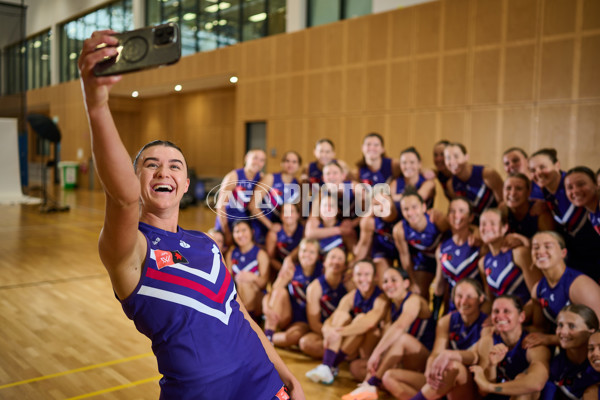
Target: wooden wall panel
column 521, row 19
column 488, row 73
column 589, row 78
column 559, row 16
column 557, row 69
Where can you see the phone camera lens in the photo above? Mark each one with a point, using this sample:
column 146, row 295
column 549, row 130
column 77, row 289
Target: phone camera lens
column 164, row 35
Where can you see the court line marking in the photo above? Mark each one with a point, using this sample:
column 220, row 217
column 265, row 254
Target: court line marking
column 72, row 371
column 52, row 281
column 115, row 388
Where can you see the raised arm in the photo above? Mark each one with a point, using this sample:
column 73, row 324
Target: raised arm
column 122, row 247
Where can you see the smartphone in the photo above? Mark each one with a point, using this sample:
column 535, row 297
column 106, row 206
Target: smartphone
column 142, row 49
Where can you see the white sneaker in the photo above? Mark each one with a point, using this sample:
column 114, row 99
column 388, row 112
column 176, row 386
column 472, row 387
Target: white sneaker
column 321, row 374
column 364, row 391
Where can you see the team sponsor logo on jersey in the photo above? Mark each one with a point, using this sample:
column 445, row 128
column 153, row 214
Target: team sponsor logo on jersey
column 164, row 258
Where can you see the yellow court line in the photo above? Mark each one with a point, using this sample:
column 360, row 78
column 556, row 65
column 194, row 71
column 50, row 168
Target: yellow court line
column 115, row 388
column 72, row 371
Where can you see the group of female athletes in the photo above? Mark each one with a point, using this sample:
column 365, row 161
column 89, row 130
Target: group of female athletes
column 498, row 296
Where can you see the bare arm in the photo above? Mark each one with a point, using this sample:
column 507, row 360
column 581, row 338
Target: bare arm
column 585, row 291
column 270, row 247
column 522, row 257
column 493, row 180
column 259, row 194
column 122, row 247
column 313, row 231
column 313, row 306
column 403, row 250
column 224, row 194
column 369, row 321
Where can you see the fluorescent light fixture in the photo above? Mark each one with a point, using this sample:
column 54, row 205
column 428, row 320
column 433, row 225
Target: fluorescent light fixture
column 173, row 19
column 233, row 79
column 44, row 57
column 258, row 17
column 178, row 88
column 189, row 16
column 212, row 9
column 208, row 26
column 37, row 44
column 224, row 5
column 135, row 93
column 223, row 22
column 72, row 56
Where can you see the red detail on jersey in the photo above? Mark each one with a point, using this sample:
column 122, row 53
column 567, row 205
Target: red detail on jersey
column 488, row 271
column 446, row 257
column 283, row 394
column 165, row 258
column 177, row 280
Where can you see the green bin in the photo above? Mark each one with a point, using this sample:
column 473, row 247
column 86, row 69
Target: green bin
column 68, row 174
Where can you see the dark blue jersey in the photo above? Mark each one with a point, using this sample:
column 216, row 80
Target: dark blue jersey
column 330, row 242
column 423, row 244
column 514, row 362
column 595, row 219
column 330, row 297
column 567, row 379
column 401, row 187
column 245, row 261
column 365, row 175
column 383, row 245
column 423, row 329
column 553, row 299
column 362, row 305
column 286, row 244
column 565, row 213
column 279, row 194
column 185, row 303
column 527, row 226
column 475, row 189
column 297, row 290
column 459, row 262
column 503, row 276
column 461, row 336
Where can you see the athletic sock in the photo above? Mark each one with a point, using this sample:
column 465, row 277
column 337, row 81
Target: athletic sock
column 418, row 396
column 329, row 358
column 374, row 381
column 339, row 358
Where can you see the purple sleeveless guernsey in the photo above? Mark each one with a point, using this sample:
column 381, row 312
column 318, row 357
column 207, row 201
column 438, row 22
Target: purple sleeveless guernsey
column 595, row 219
column 330, row 242
column 569, row 378
column 401, row 187
column 528, row 226
column 286, row 244
column 245, row 261
column 383, row 245
column 461, row 336
column 315, row 175
column 553, row 299
column 514, row 362
column 185, row 303
column 566, row 214
column 503, row 276
column 297, row 290
column 330, row 297
column 362, row 305
column 459, row 262
column 279, row 194
column 475, row 190
column 422, row 329
column 365, row 175
column 422, row 245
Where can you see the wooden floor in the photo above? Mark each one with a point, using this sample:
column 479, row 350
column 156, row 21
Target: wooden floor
column 63, row 335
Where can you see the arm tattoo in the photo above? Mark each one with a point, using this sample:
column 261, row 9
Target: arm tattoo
column 498, row 389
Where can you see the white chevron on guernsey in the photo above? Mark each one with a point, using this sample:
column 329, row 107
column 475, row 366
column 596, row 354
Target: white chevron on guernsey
column 214, row 271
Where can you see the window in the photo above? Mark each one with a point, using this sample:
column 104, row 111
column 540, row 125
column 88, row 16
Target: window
column 27, row 64
column 209, row 24
column 117, row 16
column 326, row 11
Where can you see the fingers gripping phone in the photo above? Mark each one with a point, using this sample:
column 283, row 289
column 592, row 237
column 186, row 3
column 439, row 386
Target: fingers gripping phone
column 141, row 49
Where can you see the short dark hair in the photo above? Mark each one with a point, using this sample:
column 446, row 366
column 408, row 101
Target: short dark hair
column 584, row 170
column 153, row 143
column 511, row 149
column 411, row 149
column 548, row 152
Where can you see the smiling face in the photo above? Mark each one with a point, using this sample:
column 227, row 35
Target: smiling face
column 455, row 159
column 324, row 153
column 255, row 161
column 290, row 214
column 372, row 148
column 544, row 172
column 412, row 209
column 308, row 253
column 515, row 192
column 335, row 261
column 581, row 190
column 546, row 251
column 410, row 164
column 333, row 174
column 438, row 157
column 491, row 227
column 242, row 234
column 363, row 276
column 459, row 214
column 572, row 331
column 394, row 285
column 290, row 163
column 163, row 177
column 594, row 350
column 514, row 161
column 467, row 300
column 505, row 315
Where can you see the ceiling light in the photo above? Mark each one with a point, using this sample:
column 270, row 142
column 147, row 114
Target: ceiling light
column 212, row 9
column 208, row 26
column 44, row 57
column 224, row 5
column 233, row 79
column 37, row 44
column 178, row 88
column 135, row 93
column 258, row 17
column 72, row 56
column 189, row 16
column 223, row 22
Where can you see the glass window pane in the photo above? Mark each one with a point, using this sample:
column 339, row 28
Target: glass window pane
column 153, row 12
column 277, row 10
column 357, row 8
column 323, row 12
column 255, row 16
column 228, row 21
column 188, row 37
